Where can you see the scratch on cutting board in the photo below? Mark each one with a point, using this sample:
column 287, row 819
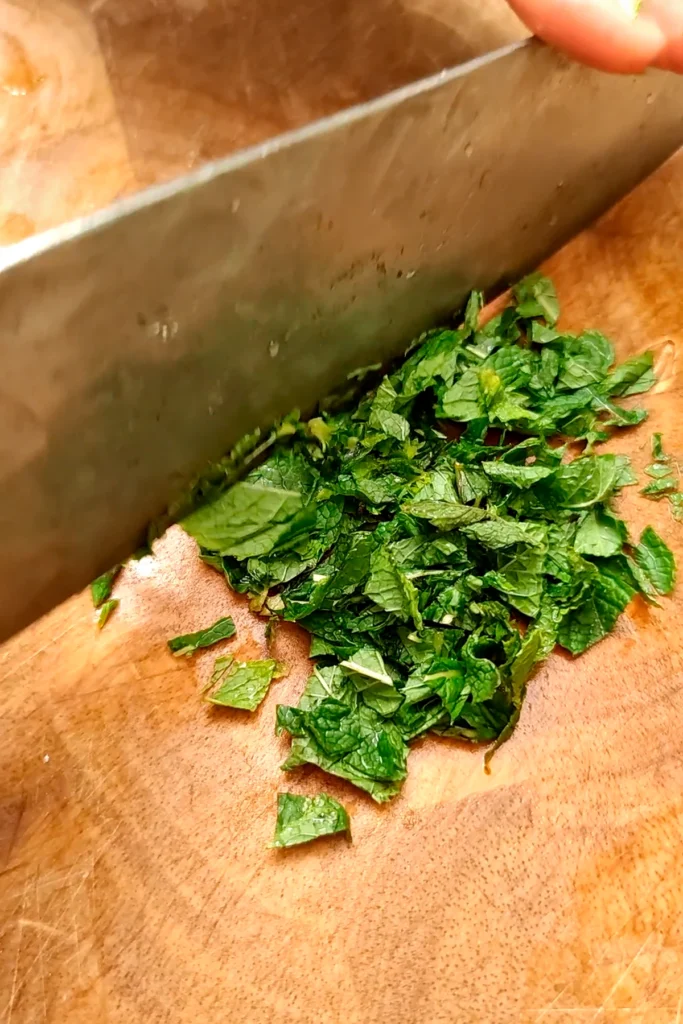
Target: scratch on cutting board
column 18, row 665
column 622, row 977
column 15, row 973
column 42, row 926
column 18, row 985
column 553, row 1008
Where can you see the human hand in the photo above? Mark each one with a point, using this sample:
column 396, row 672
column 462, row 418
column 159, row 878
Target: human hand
column 609, row 34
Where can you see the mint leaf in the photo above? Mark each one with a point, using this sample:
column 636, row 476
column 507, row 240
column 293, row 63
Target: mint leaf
column 600, row 607
column 445, row 515
column 586, row 360
column 188, row 643
column 517, row 476
column 656, row 561
column 101, row 588
column 600, row 534
column 301, row 819
column 657, row 489
column 249, row 519
column 391, row 589
column 369, row 675
column 631, row 378
column 242, row 684
column 536, row 296
column 106, row 609
column 587, row 481
column 504, row 533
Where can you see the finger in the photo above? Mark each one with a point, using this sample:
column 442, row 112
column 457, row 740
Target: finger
column 669, row 16
column 597, row 32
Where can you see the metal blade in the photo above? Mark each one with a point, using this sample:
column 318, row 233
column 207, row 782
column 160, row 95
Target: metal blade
column 142, row 341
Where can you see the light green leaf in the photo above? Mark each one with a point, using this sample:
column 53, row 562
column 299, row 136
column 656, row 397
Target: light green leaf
column 516, row 476
column 536, row 296
column 106, row 609
column 463, row 401
column 249, row 519
column 243, row 684
column 503, row 533
column 445, row 515
column 632, row 377
column 301, row 819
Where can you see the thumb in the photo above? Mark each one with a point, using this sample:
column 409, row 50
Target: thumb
column 606, row 34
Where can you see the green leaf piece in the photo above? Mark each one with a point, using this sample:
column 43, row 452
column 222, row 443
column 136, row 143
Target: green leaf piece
column 600, row 534
column 301, row 819
column 101, row 588
column 516, row 476
column 656, row 561
column 249, row 519
column 242, row 684
column 536, row 296
column 188, row 643
column 106, row 609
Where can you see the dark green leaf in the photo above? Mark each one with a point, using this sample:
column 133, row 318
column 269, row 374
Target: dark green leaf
column 463, row 401
column 521, row 581
column 188, row 643
column 598, row 612
column 586, row 360
column 101, row 588
column 656, row 560
column 368, row 672
column 586, row 481
column 600, row 534
column 391, row 589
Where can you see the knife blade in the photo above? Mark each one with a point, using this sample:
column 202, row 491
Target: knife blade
column 146, row 339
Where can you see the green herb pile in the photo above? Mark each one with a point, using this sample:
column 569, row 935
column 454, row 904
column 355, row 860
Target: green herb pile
column 436, row 538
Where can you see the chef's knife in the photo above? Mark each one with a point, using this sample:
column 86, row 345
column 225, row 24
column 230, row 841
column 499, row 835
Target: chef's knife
column 141, row 341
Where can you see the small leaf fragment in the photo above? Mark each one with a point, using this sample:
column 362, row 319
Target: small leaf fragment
column 188, row 643
column 101, row 588
column 243, row 684
column 656, row 561
column 300, row 819
column 106, row 609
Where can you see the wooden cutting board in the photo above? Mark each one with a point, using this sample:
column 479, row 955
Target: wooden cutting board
column 136, row 886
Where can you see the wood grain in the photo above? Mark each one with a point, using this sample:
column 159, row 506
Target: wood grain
column 101, row 97
column 135, row 882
